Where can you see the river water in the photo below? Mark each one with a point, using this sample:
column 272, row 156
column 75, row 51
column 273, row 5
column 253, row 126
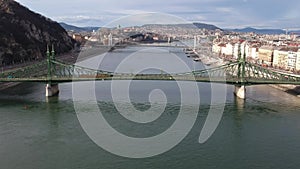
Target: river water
column 38, row 133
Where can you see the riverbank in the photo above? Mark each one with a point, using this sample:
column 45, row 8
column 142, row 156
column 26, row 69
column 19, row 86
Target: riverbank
column 7, row 85
column 208, row 60
column 290, row 89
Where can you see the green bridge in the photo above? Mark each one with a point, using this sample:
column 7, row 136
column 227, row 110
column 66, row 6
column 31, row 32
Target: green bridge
column 239, row 73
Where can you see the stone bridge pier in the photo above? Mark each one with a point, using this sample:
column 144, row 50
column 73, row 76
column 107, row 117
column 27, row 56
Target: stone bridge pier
column 240, row 91
column 52, row 90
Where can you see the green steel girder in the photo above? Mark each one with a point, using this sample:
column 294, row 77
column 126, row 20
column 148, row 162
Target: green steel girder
column 239, row 72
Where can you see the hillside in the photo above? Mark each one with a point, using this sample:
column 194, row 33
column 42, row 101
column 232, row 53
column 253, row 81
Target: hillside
column 206, row 26
column 187, row 25
column 24, row 34
column 259, row 31
column 78, row 29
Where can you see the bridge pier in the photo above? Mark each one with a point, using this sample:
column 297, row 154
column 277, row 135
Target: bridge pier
column 240, row 91
column 51, row 90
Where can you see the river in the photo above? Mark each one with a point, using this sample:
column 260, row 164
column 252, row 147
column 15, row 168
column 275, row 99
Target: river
column 38, row 133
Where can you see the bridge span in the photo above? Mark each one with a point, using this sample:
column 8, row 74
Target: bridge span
column 239, row 73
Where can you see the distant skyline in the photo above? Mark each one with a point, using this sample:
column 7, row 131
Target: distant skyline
column 222, row 13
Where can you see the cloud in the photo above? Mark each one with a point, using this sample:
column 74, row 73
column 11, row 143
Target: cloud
column 225, row 13
column 81, row 20
column 225, row 9
column 146, row 18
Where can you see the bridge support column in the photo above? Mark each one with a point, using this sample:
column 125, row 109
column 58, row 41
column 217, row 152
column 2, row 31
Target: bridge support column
column 51, row 90
column 240, row 91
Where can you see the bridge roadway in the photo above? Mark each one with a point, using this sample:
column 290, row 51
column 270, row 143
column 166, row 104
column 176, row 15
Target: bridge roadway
column 161, row 77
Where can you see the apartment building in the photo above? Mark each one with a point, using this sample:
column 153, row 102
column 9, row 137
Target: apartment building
column 265, row 55
column 286, row 58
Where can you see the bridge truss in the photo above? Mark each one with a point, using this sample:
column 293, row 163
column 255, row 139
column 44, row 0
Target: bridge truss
column 237, row 73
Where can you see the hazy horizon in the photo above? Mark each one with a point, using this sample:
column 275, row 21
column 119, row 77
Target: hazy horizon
column 221, row 13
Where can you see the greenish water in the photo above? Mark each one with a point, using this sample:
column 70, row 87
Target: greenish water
column 37, row 133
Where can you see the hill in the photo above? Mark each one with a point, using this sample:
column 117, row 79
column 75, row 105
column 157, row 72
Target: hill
column 78, row 29
column 24, row 34
column 187, row 25
column 259, row 31
column 206, row 26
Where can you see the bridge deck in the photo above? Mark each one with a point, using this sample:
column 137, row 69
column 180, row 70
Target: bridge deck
column 159, row 77
column 239, row 72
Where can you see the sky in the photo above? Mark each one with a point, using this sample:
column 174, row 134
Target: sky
column 222, row 13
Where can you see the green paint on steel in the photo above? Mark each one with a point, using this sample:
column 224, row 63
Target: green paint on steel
column 239, row 72
column 49, row 74
column 243, row 66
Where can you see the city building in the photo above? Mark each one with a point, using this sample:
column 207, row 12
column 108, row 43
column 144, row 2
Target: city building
column 280, row 58
column 227, row 50
column 253, row 51
column 298, row 60
column 292, row 58
column 216, row 48
column 265, row 55
column 285, row 58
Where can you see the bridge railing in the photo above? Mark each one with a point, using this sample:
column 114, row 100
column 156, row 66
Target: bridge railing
column 256, row 73
column 227, row 73
column 76, row 71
